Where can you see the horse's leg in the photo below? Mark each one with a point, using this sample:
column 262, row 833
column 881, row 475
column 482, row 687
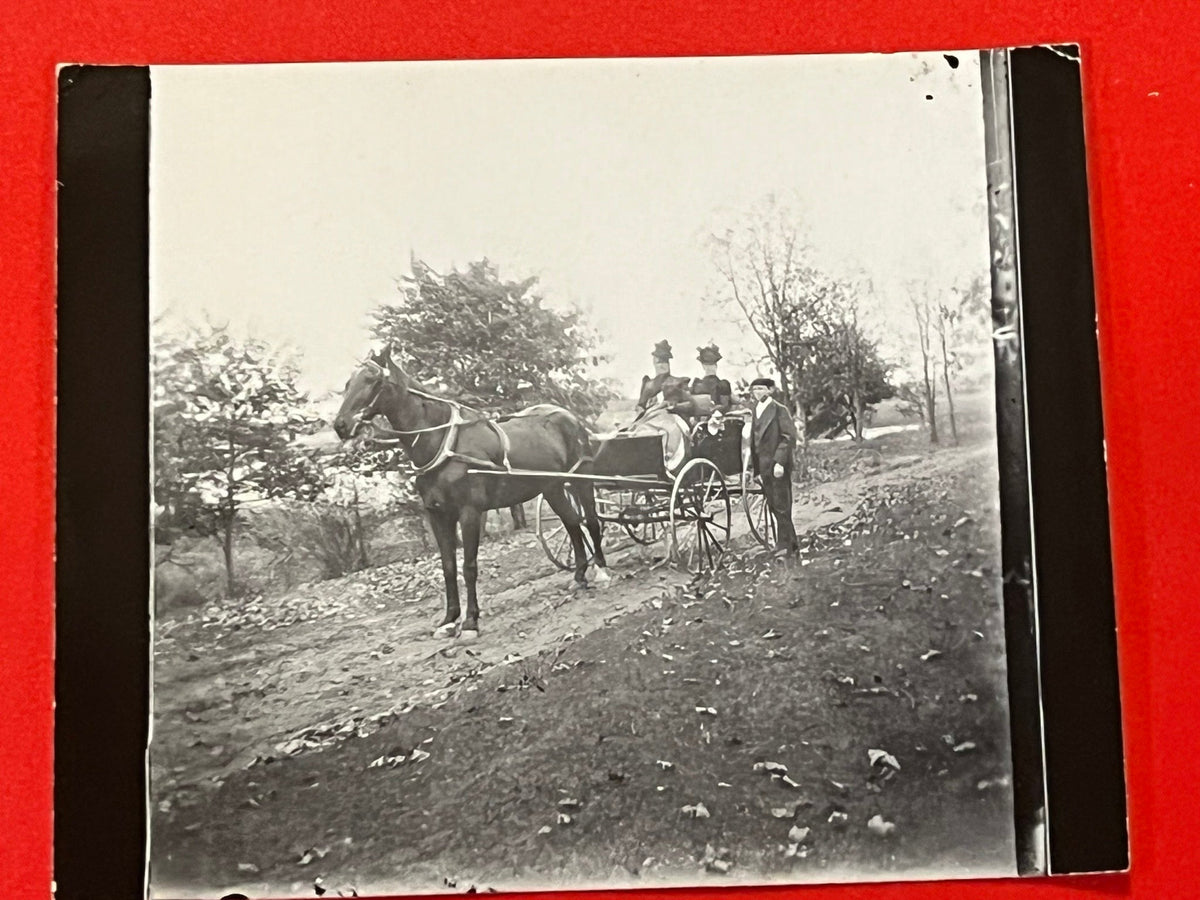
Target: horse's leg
column 557, row 498
column 587, row 499
column 471, row 520
column 444, row 527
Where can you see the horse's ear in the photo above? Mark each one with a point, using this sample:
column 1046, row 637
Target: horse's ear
column 390, row 365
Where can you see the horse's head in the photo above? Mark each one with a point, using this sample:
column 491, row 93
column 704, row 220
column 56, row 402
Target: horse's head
column 373, row 385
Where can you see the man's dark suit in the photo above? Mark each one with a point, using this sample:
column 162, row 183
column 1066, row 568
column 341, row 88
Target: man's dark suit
column 772, row 440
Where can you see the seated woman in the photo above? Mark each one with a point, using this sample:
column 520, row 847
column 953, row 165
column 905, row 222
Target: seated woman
column 664, row 389
column 717, row 390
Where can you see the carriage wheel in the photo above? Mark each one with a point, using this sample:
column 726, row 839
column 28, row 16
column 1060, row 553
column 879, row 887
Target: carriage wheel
column 553, row 535
column 644, row 533
column 700, row 516
column 758, row 513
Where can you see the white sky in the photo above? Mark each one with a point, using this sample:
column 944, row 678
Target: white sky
column 286, row 199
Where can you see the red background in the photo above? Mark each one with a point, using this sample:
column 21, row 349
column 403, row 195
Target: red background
column 1142, row 92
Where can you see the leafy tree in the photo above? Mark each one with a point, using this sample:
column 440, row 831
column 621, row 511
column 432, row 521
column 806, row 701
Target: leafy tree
column 226, row 412
column 490, row 342
column 854, row 377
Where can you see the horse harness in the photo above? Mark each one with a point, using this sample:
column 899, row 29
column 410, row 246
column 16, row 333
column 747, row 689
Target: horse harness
column 446, row 451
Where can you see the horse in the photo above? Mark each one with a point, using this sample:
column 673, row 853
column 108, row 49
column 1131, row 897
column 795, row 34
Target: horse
column 443, row 439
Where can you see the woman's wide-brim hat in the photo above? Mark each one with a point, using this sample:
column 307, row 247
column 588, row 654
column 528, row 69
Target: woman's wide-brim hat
column 709, row 355
column 662, row 351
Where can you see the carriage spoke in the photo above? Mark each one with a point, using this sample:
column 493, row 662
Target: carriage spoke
column 700, row 516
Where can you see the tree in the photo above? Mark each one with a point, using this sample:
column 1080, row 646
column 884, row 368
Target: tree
column 925, row 318
column 830, row 372
column 226, row 412
column 857, row 377
column 764, row 267
column 945, row 322
column 491, row 343
column 964, row 338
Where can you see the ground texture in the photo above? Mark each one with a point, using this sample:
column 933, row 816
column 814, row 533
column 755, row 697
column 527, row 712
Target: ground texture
column 843, row 715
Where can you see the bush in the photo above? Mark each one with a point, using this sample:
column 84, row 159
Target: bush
column 334, row 537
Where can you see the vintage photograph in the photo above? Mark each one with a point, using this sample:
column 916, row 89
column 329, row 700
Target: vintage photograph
column 575, row 474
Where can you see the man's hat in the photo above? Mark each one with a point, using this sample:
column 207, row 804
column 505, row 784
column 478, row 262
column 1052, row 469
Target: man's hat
column 662, row 351
column 763, row 382
column 710, row 355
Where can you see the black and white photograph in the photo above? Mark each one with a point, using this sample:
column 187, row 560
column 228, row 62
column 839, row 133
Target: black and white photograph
column 579, row 474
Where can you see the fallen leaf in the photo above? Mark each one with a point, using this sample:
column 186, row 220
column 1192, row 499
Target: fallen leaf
column 798, row 835
column 879, row 827
column 930, row 654
column 882, row 756
column 964, row 747
column 545, row 829
column 772, row 768
column 698, row 811
column 838, row 818
column 664, row 765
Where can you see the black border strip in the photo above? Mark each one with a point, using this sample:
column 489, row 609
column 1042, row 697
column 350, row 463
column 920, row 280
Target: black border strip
column 102, row 628
column 1016, row 551
column 1085, row 782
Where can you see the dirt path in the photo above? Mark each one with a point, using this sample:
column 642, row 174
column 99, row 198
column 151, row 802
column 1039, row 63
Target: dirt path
column 340, row 657
column 285, row 676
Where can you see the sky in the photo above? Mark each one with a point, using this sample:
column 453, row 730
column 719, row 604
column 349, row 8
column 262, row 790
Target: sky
column 287, row 200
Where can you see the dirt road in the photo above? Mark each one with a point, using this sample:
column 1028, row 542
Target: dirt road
column 254, row 697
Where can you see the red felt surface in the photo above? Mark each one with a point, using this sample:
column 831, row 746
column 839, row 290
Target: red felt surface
column 1142, row 85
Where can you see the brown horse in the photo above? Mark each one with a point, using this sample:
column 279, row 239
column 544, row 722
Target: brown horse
column 444, row 439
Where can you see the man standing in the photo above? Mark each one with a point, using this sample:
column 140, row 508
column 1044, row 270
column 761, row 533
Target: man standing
column 772, row 440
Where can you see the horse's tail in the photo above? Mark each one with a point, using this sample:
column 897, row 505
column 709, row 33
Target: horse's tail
column 579, row 438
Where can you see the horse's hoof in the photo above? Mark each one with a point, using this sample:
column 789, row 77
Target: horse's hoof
column 578, row 586
column 447, row 630
column 601, row 578
column 469, row 635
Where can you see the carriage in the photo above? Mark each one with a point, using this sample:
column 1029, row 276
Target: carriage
column 655, row 479
column 685, row 499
